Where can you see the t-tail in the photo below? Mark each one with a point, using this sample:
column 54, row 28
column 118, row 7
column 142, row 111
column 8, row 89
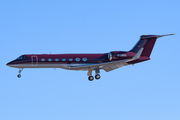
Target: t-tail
column 145, row 44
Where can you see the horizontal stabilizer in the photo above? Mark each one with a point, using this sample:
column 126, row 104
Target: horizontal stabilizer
column 156, row 36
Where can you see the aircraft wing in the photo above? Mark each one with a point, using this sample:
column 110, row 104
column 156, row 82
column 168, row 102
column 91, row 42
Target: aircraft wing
column 115, row 65
column 118, row 64
column 108, row 66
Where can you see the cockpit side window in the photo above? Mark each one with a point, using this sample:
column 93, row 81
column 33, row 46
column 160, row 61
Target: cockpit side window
column 21, row 57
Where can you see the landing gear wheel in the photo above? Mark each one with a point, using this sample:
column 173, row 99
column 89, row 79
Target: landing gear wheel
column 91, row 78
column 97, row 76
column 19, row 75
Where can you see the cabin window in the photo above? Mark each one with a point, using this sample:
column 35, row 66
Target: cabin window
column 42, row 59
column 56, row 59
column 70, row 59
column 77, row 59
column 84, row 59
column 63, row 59
column 49, row 59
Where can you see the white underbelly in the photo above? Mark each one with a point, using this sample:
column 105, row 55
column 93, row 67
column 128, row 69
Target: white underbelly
column 65, row 66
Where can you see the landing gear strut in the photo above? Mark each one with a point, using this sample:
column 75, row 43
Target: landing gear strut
column 20, row 70
column 90, row 78
column 97, row 76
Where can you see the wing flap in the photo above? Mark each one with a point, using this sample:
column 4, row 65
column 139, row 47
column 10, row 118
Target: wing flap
column 110, row 67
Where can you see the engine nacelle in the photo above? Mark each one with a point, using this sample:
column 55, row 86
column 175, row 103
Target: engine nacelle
column 115, row 55
column 110, row 56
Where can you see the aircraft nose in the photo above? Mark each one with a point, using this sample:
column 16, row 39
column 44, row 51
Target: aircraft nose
column 9, row 63
column 13, row 64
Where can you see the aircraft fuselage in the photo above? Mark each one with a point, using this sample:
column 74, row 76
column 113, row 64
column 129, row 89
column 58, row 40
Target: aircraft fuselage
column 67, row 61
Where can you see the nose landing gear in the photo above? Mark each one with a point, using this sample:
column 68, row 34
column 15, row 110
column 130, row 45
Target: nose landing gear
column 19, row 75
column 20, row 70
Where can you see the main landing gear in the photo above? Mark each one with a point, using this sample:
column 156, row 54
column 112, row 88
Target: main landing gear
column 91, row 78
column 97, row 76
column 20, row 70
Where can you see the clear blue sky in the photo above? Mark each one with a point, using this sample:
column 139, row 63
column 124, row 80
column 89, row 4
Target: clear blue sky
column 145, row 91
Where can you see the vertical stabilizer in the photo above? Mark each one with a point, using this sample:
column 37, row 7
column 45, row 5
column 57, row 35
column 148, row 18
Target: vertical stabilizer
column 147, row 42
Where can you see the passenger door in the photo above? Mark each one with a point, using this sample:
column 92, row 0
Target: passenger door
column 34, row 60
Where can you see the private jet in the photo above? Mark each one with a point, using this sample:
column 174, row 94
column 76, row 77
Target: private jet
column 89, row 62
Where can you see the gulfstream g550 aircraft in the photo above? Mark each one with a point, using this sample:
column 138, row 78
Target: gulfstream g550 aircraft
column 89, row 62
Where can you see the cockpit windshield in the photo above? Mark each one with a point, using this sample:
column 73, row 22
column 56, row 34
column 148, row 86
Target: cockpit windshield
column 21, row 57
